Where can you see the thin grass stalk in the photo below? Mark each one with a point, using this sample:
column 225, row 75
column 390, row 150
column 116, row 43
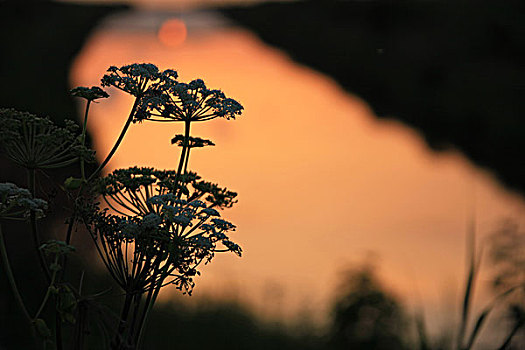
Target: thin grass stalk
column 513, row 332
column 469, row 287
column 421, row 332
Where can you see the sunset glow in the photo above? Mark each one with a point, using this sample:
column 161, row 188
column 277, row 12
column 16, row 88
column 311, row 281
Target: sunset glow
column 322, row 182
column 172, row 33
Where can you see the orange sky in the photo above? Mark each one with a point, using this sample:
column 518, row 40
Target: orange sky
column 322, row 182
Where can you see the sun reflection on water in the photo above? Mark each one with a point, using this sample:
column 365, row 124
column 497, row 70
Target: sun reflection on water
column 173, row 32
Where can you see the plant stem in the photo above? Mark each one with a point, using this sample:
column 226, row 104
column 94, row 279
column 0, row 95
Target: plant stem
column 515, row 330
column 48, row 293
column 123, row 320
column 182, row 154
column 119, row 140
column 34, row 227
column 473, row 265
column 82, row 171
column 11, row 279
column 69, row 233
column 144, row 317
column 58, row 321
column 58, row 330
column 187, row 160
column 135, row 317
column 148, row 308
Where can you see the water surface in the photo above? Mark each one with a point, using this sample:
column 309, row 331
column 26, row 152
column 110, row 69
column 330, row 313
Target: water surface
column 322, row 182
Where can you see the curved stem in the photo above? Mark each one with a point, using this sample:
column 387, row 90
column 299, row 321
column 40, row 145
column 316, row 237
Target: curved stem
column 11, row 279
column 82, row 171
column 34, row 227
column 515, row 330
column 119, row 140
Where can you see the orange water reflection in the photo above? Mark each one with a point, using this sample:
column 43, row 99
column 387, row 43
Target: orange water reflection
column 322, row 182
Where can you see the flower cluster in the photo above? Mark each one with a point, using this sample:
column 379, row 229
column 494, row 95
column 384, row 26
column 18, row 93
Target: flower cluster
column 54, row 247
column 193, row 142
column 37, row 143
column 158, row 236
column 150, row 227
column 163, row 98
column 16, row 202
column 134, row 79
column 90, row 94
column 169, row 100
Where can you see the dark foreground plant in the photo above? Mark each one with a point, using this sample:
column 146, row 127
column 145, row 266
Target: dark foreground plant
column 151, row 228
column 468, row 333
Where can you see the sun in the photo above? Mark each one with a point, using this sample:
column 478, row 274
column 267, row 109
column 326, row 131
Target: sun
column 173, row 32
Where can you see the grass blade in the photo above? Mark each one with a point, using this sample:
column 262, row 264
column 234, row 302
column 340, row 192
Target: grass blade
column 469, row 288
column 507, row 341
column 421, row 332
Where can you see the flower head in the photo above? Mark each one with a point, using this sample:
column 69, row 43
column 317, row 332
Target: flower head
column 54, row 247
column 17, row 202
column 193, row 142
column 134, row 79
column 90, row 94
column 175, row 230
column 171, row 100
column 37, row 143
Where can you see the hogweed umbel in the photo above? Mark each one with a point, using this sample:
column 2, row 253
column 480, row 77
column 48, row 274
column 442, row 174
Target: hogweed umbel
column 151, row 228
column 37, row 143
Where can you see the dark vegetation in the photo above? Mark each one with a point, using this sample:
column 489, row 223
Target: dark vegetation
column 460, row 84
column 39, row 41
column 454, row 71
column 507, row 253
column 365, row 316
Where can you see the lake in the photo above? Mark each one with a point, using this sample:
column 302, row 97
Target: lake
column 322, row 182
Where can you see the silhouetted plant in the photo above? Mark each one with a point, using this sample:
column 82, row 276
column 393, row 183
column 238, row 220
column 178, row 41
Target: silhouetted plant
column 468, row 333
column 153, row 228
column 365, row 316
column 508, row 256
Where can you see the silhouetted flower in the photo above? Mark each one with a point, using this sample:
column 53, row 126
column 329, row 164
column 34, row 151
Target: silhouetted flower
column 90, row 94
column 193, row 142
column 217, row 196
column 169, row 232
column 16, row 202
column 36, row 143
column 54, row 247
column 134, row 79
column 170, row 100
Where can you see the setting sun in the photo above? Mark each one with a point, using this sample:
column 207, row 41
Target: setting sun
column 172, row 33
